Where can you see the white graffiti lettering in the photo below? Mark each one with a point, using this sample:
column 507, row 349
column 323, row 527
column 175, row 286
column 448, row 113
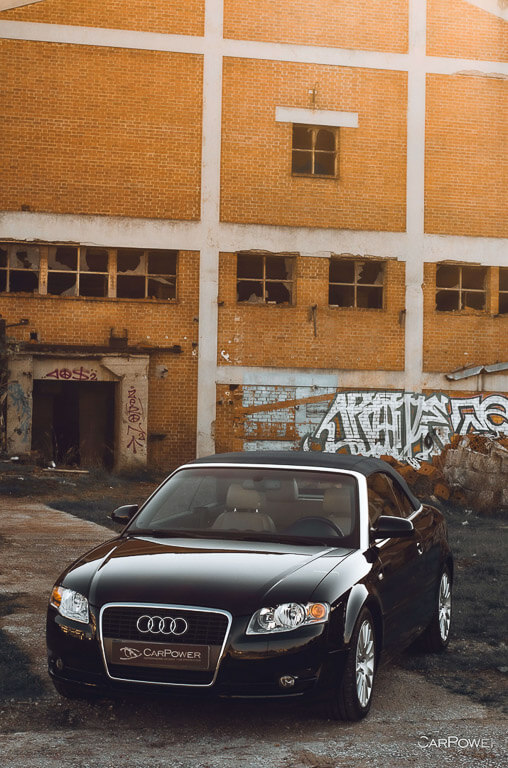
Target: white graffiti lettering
column 406, row 425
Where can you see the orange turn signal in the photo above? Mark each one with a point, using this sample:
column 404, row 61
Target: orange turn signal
column 56, row 597
column 317, row 611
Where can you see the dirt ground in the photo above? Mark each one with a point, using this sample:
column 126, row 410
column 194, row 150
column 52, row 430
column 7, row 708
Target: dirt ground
column 413, row 721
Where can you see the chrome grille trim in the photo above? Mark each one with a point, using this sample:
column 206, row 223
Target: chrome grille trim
column 165, row 607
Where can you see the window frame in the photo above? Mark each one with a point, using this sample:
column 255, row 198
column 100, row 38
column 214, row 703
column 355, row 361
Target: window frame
column 334, row 130
column 8, row 269
column 47, row 254
column 146, row 274
column 356, row 284
column 460, row 290
column 263, row 300
column 81, row 251
column 503, row 292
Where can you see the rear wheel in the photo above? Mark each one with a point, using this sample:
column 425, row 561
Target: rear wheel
column 437, row 635
column 353, row 696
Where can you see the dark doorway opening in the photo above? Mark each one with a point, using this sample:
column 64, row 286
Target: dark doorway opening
column 73, row 422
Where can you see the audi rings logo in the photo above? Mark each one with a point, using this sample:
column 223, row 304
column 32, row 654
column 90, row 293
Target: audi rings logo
column 163, row 625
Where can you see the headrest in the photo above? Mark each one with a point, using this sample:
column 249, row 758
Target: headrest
column 287, row 491
column 242, row 498
column 337, row 501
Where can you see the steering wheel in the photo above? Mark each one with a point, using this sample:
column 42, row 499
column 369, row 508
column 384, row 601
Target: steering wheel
column 307, row 524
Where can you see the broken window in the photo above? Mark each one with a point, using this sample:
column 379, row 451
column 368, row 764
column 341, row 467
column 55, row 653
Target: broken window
column 264, row 279
column 19, row 268
column 503, row 290
column 356, row 283
column 315, row 151
column 77, row 271
column 460, row 287
column 146, row 274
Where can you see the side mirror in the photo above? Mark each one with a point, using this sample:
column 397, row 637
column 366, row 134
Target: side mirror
column 388, row 527
column 124, row 515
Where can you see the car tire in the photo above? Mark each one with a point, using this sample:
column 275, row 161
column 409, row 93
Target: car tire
column 353, row 696
column 74, row 691
column 437, row 635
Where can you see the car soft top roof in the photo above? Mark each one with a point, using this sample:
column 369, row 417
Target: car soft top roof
column 318, row 459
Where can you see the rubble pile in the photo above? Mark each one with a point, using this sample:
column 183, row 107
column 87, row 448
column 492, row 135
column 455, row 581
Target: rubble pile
column 472, row 471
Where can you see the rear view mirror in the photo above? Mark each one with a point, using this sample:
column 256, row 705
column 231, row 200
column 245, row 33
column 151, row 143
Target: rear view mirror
column 124, row 515
column 388, row 527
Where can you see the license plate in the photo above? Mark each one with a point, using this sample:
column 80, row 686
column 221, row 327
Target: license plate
column 169, row 656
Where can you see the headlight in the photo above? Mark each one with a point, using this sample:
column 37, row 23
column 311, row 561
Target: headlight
column 288, row 616
column 70, row 604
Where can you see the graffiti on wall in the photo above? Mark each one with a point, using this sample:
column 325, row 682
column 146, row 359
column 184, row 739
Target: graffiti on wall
column 406, row 425
column 136, row 433
column 74, row 374
column 409, row 426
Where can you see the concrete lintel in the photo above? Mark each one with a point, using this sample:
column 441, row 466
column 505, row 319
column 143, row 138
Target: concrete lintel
column 329, row 117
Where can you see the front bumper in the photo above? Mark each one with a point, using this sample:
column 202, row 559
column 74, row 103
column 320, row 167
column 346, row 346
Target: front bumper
column 250, row 667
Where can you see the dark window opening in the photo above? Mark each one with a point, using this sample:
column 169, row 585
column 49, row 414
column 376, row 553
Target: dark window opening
column 62, row 283
column 314, row 151
column 356, row 283
column 460, row 287
column 146, row 274
column 19, row 268
column 93, row 260
column 264, row 279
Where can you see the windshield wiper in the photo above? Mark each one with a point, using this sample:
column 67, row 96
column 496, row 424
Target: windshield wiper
column 171, row 533
column 267, row 537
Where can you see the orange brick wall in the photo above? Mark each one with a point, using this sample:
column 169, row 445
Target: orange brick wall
column 373, row 25
column 283, row 336
column 257, row 185
column 466, row 165
column 100, row 130
column 169, row 16
column 150, row 324
column 459, row 339
column 458, row 29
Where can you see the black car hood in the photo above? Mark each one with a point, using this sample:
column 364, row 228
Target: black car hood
column 233, row 575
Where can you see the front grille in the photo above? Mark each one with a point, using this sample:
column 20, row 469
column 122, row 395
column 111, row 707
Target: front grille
column 205, row 627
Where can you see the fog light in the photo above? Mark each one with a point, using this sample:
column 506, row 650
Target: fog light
column 287, row 681
column 59, row 664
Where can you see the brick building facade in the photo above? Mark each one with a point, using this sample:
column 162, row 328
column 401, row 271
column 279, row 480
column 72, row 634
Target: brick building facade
column 230, row 225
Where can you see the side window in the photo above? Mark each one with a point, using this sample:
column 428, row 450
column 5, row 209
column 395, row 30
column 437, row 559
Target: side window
column 382, row 498
column 406, row 507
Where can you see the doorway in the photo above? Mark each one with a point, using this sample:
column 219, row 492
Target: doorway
column 73, row 422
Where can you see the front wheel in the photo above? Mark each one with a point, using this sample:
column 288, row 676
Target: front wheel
column 353, row 696
column 437, row 635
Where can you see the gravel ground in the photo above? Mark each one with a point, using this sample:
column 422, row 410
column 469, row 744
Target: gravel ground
column 412, row 721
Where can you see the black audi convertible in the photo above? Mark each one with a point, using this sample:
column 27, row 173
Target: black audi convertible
column 258, row 574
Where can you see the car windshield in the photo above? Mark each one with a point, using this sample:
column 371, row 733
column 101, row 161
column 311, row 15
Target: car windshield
column 263, row 503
